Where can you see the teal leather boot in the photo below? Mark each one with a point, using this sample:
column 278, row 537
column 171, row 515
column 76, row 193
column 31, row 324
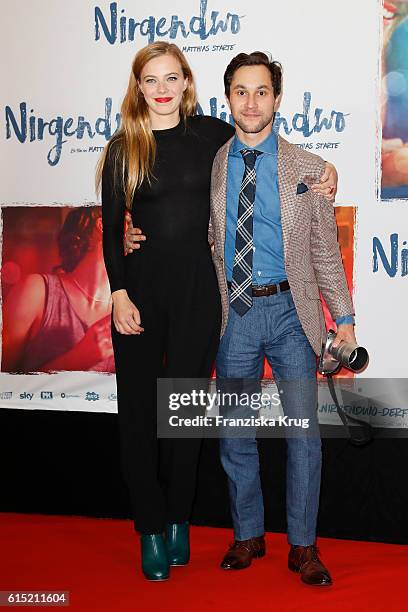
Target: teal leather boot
column 178, row 543
column 155, row 563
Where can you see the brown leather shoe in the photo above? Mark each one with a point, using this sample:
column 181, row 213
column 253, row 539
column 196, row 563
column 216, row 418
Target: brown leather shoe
column 241, row 553
column 305, row 560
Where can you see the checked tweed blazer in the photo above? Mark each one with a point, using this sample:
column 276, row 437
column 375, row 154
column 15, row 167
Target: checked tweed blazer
column 312, row 256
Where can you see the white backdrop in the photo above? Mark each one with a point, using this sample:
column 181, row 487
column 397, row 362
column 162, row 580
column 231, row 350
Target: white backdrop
column 63, row 65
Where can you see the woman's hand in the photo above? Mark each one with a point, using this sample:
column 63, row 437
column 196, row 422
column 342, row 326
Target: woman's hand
column 328, row 183
column 126, row 316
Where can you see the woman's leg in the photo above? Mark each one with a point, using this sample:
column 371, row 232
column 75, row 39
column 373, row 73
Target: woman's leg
column 194, row 329
column 138, row 361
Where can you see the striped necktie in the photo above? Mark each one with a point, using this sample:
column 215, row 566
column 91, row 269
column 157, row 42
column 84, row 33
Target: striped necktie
column 241, row 286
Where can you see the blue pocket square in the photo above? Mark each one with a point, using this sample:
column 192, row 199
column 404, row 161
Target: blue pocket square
column 301, row 188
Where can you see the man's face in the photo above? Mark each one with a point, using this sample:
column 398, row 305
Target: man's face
column 252, row 100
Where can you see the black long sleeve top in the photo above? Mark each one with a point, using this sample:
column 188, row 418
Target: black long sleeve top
column 174, row 209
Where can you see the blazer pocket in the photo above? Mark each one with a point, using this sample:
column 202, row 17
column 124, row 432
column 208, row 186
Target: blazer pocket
column 301, row 188
column 312, row 291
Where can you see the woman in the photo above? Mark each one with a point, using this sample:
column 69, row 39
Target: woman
column 166, row 303
column 61, row 321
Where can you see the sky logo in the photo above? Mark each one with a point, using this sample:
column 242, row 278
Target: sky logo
column 26, row 396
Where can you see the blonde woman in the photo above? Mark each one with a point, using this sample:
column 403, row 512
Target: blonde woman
column 166, row 302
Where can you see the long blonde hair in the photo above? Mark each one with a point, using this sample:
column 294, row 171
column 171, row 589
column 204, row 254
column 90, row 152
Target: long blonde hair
column 136, row 150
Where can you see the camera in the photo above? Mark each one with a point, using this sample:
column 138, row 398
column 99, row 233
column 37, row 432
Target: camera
column 346, row 354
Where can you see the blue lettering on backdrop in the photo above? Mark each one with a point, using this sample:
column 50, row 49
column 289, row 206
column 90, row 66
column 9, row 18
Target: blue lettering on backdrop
column 58, row 127
column 215, row 112
column 152, row 27
column 356, row 410
column 26, row 126
column 397, row 257
column 301, row 121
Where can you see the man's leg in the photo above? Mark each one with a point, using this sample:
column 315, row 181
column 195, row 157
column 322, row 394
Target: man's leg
column 239, row 367
column 294, row 368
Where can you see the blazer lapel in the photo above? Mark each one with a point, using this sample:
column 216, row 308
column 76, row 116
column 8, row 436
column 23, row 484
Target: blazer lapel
column 288, row 179
column 219, row 190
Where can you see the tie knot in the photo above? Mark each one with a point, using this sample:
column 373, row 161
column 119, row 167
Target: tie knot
column 250, row 156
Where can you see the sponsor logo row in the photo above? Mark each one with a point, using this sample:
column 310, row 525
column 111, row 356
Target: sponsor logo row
column 89, row 396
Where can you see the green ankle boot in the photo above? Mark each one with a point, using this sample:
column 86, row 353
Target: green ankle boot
column 155, row 563
column 178, row 543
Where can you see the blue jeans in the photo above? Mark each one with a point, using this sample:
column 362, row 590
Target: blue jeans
column 271, row 329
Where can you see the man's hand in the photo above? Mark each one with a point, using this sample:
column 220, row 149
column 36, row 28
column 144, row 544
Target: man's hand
column 345, row 333
column 328, row 183
column 133, row 235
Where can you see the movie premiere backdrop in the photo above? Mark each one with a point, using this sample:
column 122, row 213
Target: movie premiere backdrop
column 65, row 71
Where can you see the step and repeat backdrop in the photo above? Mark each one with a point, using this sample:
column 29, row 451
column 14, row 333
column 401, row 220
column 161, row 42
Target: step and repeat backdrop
column 65, row 70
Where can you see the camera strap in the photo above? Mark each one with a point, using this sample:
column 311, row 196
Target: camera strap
column 360, row 432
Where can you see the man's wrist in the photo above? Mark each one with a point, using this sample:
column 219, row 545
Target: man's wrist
column 346, row 320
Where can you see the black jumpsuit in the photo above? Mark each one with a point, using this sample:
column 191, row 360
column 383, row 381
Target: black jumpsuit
column 172, row 281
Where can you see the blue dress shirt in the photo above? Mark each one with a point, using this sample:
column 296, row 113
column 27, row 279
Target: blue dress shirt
column 268, row 262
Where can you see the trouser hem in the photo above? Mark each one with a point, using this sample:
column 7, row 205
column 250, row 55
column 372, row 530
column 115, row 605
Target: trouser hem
column 295, row 540
column 249, row 532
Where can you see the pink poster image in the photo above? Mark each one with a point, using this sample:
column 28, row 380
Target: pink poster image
column 394, row 101
column 56, row 297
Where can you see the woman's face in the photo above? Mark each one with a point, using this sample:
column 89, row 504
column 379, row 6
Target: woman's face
column 162, row 84
column 394, row 11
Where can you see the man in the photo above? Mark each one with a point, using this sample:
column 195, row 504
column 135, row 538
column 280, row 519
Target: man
column 275, row 247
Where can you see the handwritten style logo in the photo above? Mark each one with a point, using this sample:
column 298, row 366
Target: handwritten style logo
column 392, row 257
column 307, row 124
column 26, row 126
column 115, row 26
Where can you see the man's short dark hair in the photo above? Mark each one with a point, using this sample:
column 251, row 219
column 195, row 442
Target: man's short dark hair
column 256, row 58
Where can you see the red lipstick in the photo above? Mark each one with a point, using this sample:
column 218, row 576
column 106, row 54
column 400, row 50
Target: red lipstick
column 390, row 12
column 162, row 100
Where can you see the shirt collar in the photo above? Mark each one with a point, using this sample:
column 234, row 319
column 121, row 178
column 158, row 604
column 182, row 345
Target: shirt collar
column 269, row 145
